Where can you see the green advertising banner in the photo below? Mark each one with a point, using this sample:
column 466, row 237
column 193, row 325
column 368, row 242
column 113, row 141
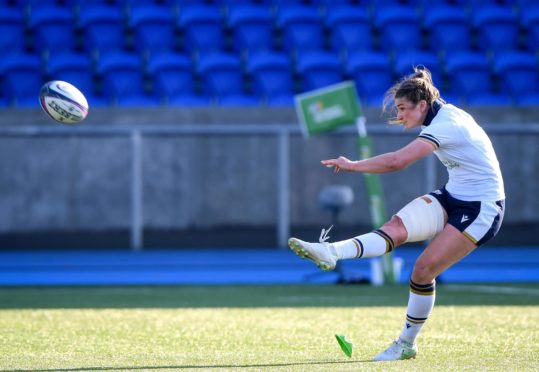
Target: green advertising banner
column 326, row 109
column 323, row 110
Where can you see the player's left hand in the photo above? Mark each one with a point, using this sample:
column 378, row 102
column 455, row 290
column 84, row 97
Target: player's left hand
column 340, row 163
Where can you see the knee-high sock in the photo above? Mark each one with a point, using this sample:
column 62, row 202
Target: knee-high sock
column 420, row 306
column 373, row 244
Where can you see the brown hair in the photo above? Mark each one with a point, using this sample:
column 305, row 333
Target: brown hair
column 414, row 87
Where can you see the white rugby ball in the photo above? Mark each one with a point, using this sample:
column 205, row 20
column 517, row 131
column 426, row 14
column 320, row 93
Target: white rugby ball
column 63, row 102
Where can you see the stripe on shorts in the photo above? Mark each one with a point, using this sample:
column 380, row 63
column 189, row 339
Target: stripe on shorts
column 487, row 219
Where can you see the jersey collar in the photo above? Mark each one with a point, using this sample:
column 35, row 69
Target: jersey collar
column 436, row 106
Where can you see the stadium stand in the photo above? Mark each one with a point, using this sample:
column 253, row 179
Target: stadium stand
column 497, row 27
column 21, row 77
column 122, row 75
column 530, row 22
column 52, row 28
column 174, row 80
column 223, row 79
column 300, row 27
column 272, row 78
column 252, row 28
column 448, row 28
column 12, row 38
column 398, row 27
column 519, row 76
column 405, row 33
column 77, row 69
column 471, row 79
column 407, row 60
column 202, row 28
column 318, row 69
column 350, row 28
column 372, row 74
column 153, row 28
column 98, row 20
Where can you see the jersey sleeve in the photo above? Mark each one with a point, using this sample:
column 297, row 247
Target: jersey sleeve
column 440, row 133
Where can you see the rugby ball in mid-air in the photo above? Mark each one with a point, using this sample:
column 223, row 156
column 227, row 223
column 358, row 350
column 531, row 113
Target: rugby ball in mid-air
column 63, row 102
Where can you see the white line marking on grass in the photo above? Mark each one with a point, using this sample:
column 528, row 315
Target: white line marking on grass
column 325, row 298
column 492, row 289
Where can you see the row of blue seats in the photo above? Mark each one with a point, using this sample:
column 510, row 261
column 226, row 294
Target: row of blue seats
column 272, row 78
column 275, row 3
column 251, row 28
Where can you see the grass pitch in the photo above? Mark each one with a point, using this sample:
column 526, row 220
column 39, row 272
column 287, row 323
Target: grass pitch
column 262, row 328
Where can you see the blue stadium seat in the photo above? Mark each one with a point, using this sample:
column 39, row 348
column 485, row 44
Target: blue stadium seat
column 31, row 5
column 82, row 5
column 53, row 28
column 222, row 77
column 301, row 28
column 372, row 74
column 406, row 61
column 497, row 28
column 99, row 20
column 276, row 4
column 77, row 69
column 186, row 3
column 11, row 3
column 12, row 37
column 129, row 4
column 427, row 4
column 398, row 27
column 519, row 75
column 375, row 4
column 525, row 4
column 327, row 4
column 22, row 78
column 272, row 78
column 480, row 3
column 350, row 28
column 202, row 28
column 226, row 5
column 173, row 79
column 153, row 28
column 530, row 21
column 123, row 82
column 448, row 28
column 318, row 69
column 471, row 79
column 252, row 27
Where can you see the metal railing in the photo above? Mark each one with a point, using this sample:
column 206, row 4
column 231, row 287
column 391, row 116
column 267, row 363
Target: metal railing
column 282, row 132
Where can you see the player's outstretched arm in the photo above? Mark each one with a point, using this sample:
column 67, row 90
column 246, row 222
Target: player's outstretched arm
column 384, row 163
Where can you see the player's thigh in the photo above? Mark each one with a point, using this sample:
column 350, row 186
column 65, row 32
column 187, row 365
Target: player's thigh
column 447, row 248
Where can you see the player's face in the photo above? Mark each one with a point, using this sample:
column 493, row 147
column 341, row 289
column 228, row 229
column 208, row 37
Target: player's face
column 411, row 115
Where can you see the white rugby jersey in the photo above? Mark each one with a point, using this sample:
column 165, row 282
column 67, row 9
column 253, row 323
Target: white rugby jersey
column 467, row 153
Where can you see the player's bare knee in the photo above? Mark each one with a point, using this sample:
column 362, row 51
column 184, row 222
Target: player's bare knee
column 395, row 228
column 424, row 272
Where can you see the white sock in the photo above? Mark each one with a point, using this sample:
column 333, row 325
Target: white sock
column 420, row 306
column 373, row 244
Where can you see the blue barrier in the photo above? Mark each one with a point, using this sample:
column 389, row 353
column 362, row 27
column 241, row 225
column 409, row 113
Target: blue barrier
column 241, row 266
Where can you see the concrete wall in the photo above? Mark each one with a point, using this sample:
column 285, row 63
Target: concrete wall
column 83, row 183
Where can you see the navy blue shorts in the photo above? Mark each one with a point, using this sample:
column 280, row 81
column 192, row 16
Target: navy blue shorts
column 480, row 221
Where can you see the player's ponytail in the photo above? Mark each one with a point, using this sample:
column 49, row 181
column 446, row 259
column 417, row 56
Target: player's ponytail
column 414, row 87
